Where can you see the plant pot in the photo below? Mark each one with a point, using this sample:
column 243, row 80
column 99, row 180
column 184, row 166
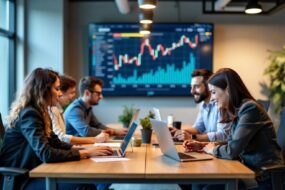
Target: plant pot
column 146, row 135
column 125, row 125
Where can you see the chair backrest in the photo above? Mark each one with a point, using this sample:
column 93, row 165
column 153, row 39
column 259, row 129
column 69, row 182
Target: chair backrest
column 264, row 103
column 2, row 131
column 281, row 132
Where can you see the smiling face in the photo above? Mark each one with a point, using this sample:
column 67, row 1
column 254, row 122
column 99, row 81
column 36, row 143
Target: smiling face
column 199, row 89
column 220, row 96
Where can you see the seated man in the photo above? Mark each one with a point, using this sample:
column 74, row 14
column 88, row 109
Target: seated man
column 79, row 118
column 68, row 93
column 207, row 126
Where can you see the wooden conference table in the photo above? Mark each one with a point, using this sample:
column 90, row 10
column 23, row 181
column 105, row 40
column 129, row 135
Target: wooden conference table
column 146, row 165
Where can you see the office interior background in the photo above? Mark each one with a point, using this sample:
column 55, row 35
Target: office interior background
column 54, row 34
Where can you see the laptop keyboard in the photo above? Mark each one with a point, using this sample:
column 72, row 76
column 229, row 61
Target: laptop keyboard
column 185, row 156
column 119, row 138
column 115, row 153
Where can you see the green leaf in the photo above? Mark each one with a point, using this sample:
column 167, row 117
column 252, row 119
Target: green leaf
column 283, row 87
column 126, row 115
column 276, row 73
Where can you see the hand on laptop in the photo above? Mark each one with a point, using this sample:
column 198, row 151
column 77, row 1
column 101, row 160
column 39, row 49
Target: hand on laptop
column 102, row 137
column 182, row 135
column 194, row 146
column 100, row 151
column 209, row 148
column 121, row 132
column 172, row 130
column 95, row 151
column 116, row 132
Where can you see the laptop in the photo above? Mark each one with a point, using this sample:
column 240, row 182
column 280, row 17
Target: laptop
column 158, row 117
column 134, row 118
column 167, row 146
column 124, row 145
column 156, row 112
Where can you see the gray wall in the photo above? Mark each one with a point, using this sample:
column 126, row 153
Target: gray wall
column 40, row 36
column 241, row 42
column 44, row 34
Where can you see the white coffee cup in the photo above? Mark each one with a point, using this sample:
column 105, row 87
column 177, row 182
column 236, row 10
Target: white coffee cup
column 170, row 120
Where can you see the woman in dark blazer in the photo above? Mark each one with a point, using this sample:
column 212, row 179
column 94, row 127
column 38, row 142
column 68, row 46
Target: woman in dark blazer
column 29, row 140
column 252, row 139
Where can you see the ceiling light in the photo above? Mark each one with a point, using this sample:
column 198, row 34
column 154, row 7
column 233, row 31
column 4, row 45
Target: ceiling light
column 145, row 29
column 146, row 16
column 253, row 7
column 147, row 4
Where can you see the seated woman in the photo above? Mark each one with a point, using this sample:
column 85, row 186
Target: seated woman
column 66, row 96
column 252, row 139
column 29, row 140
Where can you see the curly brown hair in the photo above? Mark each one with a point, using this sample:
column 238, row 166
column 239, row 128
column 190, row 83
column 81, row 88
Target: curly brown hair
column 36, row 91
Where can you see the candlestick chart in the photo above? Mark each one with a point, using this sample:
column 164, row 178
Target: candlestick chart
column 160, row 64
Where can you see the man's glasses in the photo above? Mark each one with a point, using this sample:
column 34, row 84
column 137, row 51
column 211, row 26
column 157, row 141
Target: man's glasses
column 97, row 92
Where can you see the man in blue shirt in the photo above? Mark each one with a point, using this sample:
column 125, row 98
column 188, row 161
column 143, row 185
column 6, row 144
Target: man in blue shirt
column 79, row 118
column 207, row 126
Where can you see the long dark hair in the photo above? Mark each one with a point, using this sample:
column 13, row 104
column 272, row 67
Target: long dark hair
column 36, row 91
column 228, row 79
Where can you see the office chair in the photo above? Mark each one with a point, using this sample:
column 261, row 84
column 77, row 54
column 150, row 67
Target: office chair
column 277, row 172
column 8, row 174
column 265, row 104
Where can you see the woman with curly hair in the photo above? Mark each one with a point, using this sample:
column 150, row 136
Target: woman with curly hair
column 29, row 140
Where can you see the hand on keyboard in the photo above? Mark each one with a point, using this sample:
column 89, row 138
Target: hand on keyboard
column 100, row 151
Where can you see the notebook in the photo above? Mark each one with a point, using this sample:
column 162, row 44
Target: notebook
column 158, row 117
column 167, row 146
column 124, row 145
column 134, row 118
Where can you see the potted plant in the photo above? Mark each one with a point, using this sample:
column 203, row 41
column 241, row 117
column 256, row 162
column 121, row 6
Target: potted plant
column 126, row 116
column 146, row 130
column 276, row 73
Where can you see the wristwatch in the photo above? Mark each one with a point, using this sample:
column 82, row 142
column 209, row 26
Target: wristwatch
column 194, row 137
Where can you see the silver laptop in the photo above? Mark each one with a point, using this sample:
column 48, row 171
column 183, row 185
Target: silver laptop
column 158, row 117
column 134, row 118
column 167, row 146
column 124, row 145
column 156, row 113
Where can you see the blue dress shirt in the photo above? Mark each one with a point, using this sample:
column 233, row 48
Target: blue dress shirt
column 208, row 122
column 80, row 120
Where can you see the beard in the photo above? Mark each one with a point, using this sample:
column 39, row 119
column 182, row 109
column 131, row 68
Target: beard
column 95, row 103
column 200, row 97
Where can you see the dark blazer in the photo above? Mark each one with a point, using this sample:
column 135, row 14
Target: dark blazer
column 252, row 138
column 27, row 146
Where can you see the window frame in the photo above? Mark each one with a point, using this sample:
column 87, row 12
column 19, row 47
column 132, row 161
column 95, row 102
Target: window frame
column 11, row 36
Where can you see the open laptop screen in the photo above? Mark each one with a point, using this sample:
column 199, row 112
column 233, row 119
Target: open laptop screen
column 128, row 137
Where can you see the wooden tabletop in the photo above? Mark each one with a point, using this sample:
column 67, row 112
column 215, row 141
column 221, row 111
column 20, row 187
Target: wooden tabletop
column 87, row 168
column 146, row 161
column 159, row 166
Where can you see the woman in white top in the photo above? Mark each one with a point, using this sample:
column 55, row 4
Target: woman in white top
column 68, row 93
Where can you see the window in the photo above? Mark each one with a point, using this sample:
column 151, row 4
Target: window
column 4, row 52
column 3, row 14
column 7, row 53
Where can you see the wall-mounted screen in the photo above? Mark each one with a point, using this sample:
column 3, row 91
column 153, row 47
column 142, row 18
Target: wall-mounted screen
column 158, row 65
